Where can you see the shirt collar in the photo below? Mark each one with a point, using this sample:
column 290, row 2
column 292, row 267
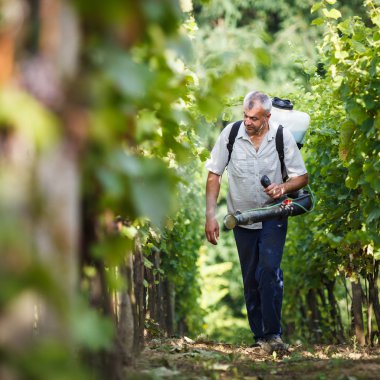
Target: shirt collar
column 242, row 134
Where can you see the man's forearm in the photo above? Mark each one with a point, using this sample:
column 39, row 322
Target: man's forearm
column 212, row 192
column 295, row 183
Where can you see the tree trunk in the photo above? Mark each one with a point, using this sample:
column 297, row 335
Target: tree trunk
column 375, row 293
column 334, row 312
column 305, row 325
column 314, row 314
column 125, row 318
column 348, row 302
column 138, row 280
column 6, row 57
column 170, row 304
column 357, row 312
column 57, row 232
column 322, row 297
column 374, row 296
column 369, row 320
column 151, row 293
column 161, row 317
column 60, row 35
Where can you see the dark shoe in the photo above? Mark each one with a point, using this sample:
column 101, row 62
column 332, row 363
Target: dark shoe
column 275, row 344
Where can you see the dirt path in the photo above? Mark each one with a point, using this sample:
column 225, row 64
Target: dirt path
column 186, row 359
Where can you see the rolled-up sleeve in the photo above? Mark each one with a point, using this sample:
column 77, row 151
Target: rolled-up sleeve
column 294, row 163
column 219, row 154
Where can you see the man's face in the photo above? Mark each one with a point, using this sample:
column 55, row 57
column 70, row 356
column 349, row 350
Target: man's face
column 255, row 120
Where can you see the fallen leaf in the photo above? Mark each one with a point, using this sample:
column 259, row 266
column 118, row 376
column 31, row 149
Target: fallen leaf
column 163, row 372
column 220, row 367
column 188, row 340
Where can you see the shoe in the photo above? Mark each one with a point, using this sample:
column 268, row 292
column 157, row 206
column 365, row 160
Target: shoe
column 259, row 343
column 275, row 344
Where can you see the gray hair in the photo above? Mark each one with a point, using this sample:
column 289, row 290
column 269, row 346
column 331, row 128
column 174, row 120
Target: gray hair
column 254, row 97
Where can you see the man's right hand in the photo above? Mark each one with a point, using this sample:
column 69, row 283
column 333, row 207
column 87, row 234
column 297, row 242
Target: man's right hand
column 212, row 191
column 212, row 230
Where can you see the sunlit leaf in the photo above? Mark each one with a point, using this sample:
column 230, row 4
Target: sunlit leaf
column 341, row 54
column 333, row 13
column 148, row 264
column 376, row 19
column 346, row 27
column 315, row 7
column 318, row 21
column 24, row 113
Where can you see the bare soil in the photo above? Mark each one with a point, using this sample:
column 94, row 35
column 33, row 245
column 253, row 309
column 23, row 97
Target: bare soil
column 201, row 360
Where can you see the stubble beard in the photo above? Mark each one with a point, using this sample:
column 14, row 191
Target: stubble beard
column 256, row 131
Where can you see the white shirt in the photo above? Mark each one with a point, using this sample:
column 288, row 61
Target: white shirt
column 247, row 166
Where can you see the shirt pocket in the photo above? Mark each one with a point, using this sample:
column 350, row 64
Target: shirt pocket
column 238, row 165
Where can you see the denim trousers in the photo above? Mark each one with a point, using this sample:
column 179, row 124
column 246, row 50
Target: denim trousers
column 260, row 253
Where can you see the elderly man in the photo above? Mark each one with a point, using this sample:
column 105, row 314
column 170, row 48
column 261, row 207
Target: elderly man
column 260, row 246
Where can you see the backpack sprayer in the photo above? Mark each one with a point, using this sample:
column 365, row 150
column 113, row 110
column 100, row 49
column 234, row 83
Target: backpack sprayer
column 294, row 204
column 288, row 207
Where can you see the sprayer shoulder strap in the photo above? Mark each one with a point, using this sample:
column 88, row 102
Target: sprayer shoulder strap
column 232, row 137
column 280, row 151
column 279, row 145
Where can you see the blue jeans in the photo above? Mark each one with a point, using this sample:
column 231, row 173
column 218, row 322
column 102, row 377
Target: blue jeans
column 260, row 254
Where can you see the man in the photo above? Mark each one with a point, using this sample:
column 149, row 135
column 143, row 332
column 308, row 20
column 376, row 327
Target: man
column 260, row 246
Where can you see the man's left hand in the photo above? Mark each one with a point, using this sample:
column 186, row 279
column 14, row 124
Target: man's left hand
column 275, row 191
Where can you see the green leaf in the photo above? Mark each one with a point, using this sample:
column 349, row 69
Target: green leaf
column 374, row 66
column 374, row 214
column 35, row 123
column 341, row 54
column 263, row 56
column 210, row 107
column 115, row 282
column 318, row 21
column 148, row 264
column 358, row 46
column 92, row 330
column 141, row 186
column 129, row 232
column 376, row 20
column 112, row 249
column 346, row 27
column 376, row 254
column 355, row 111
column 204, row 154
column 333, row 13
column 315, row 7
column 132, row 78
column 330, row 1
column 347, row 130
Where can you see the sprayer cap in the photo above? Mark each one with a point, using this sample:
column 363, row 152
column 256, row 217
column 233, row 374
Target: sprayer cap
column 284, row 104
column 230, row 221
